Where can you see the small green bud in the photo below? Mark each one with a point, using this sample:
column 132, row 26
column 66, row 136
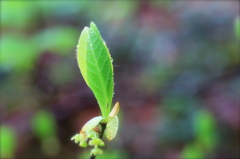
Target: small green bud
column 95, row 134
column 76, row 138
column 101, row 144
column 99, row 151
column 94, row 138
column 91, row 143
column 90, row 134
column 96, row 151
column 83, row 144
column 96, row 141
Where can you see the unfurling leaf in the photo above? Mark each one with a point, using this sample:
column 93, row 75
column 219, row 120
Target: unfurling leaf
column 96, row 66
column 112, row 128
column 91, row 124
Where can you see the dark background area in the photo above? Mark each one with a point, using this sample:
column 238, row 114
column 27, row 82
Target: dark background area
column 176, row 71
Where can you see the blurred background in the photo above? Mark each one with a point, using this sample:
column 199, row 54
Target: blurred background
column 177, row 77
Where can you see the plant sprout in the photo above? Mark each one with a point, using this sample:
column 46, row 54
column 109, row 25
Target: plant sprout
column 96, row 67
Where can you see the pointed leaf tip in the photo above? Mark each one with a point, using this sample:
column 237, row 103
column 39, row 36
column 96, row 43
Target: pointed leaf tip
column 115, row 110
column 92, row 23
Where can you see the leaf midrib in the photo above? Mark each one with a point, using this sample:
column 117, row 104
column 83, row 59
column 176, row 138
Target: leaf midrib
column 98, row 70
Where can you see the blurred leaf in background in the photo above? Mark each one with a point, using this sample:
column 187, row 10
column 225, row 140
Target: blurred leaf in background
column 237, row 27
column 43, row 124
column 8, row 142
column 62, row 11
column 205, row 137
column 14, row 49
column 17, row 14
column 205, row 130
column 177, row 114
column 60, row 39
column 44, row 127
column 192, row 151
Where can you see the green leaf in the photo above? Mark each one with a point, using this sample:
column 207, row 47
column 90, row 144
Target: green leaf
column 112, row 128
column 96, row 66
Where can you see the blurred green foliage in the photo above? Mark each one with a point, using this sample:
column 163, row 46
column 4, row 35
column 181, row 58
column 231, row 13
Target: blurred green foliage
column 50, row 146
column 205, row 137
column 15, row 14
column 14, row 50
column 192, row 151
column 19, row 18
column 8, row 142
column 43, row 125
column 205, row 130
column 237, row 27
column 56, row 71
column 178, row 113
column 56, row 39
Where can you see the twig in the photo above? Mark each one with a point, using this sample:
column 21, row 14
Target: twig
column 103, row 125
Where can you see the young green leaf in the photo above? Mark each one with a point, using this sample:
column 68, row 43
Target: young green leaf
column 112, row 128
column 91, row 123
column 96, row 66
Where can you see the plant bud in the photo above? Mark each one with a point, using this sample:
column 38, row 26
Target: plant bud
column 83, row 144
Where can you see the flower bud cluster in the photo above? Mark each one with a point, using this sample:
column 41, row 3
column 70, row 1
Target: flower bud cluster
column 93, row 137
